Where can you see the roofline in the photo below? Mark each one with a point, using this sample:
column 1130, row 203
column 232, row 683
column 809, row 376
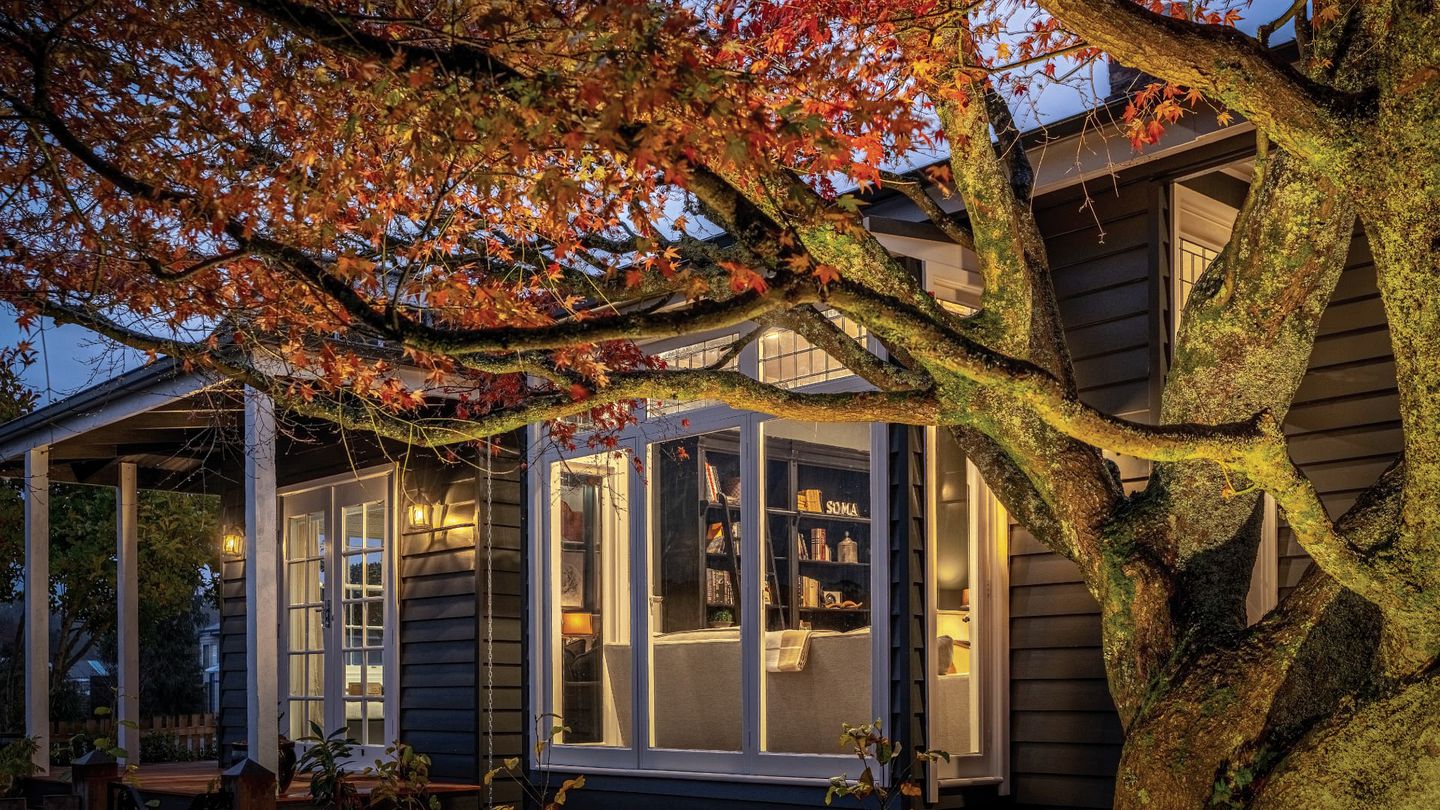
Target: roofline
column 48, row 424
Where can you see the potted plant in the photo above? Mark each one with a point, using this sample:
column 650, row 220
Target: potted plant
column 17, row 761
column 722, row 618
column 324, row 760
column 402, row 782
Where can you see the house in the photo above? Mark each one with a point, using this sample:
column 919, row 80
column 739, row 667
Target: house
column 466, row 598
column 208, row 640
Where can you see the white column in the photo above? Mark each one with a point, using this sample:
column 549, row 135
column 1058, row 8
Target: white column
column 37, row 602
column 127, row 618
column 261, row 594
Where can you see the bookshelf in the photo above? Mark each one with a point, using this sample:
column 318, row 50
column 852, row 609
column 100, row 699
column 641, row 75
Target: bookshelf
column 818, row 500
column 696, row 505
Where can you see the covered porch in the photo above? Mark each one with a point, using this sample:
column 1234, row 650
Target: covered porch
column 160, row 428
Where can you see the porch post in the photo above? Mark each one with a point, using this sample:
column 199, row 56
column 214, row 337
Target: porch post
column 37, row 602
column 261, row 595
column 127, row 619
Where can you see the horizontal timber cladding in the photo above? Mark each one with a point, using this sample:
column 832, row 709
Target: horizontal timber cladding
column 440, row 584
column 230, row 720
column 1344, row 426
column 445, row 659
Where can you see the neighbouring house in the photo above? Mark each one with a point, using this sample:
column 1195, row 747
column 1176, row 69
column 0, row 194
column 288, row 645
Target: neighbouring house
column 466, row 599
column 208, row 640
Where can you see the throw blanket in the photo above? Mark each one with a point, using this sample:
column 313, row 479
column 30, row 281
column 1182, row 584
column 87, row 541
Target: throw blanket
column 786, row 650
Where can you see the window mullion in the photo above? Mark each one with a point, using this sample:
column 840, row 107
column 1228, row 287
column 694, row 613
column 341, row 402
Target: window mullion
column 752, row 610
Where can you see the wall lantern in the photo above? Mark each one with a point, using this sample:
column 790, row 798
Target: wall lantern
column 232, row 544
column 421, row 515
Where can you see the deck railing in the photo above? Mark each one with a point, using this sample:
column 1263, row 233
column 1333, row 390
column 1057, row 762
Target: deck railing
column 193, row 734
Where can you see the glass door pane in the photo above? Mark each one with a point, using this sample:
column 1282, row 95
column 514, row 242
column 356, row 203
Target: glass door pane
column 307, row 616
column 590, row 631
column 816, row 554
column 362, row 612
column 695, row 609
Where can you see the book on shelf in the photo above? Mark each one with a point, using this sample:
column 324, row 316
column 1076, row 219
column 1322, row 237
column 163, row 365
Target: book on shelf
column 715, row 538
column 819, row 549
column 809, row 592
column 719, row 590
column 807, row 500
column 712, row 483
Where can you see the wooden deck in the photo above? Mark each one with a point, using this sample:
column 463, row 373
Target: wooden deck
column 186, row 780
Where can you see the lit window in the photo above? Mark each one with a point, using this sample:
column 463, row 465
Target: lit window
column 789, row 361
column 700, row 355
column 590, row 582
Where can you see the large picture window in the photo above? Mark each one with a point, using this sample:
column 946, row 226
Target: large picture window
column 817, row 593
column 696, row 607
column 714, row 593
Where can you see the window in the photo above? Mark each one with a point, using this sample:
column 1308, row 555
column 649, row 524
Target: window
column 750, row 647
column 789, row 360
column 751, row 554
column 335, row 626
column 700, row 355
column 817, row 558
column 967, row 558
column 590, row 579
column 1202, row 226
column 696, row 599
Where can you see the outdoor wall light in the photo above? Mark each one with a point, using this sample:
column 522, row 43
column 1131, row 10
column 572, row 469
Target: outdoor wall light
column 420, row 515
column 233, row 543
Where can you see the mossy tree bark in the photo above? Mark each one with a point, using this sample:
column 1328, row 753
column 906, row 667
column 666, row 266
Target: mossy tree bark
column 1321, row 703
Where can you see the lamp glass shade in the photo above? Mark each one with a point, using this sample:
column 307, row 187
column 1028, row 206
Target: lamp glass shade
column 420, row 515
column 232, row 544
column 577, row 624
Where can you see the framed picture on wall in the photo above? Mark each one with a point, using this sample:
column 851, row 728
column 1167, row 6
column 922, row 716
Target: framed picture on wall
column 572, row 579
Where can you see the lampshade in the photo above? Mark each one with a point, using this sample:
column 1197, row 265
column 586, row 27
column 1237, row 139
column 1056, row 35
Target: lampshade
column 420, row 515
column 577, row 624
column 233, row 543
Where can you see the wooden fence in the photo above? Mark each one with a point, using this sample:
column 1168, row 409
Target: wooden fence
column 192, row 732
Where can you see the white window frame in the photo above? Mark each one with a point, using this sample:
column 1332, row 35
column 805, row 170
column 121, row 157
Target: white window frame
column 1196, row 218
column 990, row 766
column 949, row 273
column 334, row 666
column 989, row 563
column 750, row 763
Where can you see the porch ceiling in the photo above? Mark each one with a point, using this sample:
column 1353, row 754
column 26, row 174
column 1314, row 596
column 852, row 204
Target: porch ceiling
column 191, row 444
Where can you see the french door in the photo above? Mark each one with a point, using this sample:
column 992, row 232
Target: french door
column 337, row 539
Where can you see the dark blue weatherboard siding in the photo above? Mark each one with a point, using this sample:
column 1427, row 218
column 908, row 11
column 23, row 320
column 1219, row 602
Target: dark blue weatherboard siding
column 440, row 595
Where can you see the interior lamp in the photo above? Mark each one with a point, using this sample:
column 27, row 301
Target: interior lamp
column 232, row 544
column 577, row 624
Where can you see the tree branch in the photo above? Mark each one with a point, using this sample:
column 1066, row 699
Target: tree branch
column 1256, row 447
column 1307, row 118
column 915, row 189
column 731, row 387
column 344, row 33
